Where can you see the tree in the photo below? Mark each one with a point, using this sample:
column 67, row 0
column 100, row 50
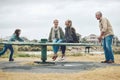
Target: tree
column 84, row 40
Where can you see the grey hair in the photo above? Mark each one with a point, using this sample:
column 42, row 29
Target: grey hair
column 99, row 13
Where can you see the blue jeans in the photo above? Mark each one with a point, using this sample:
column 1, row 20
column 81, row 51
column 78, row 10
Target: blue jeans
column 107, row 46
column 56, row 48
column 5, row 49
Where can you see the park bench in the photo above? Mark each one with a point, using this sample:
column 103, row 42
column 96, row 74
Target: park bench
column 43, row 43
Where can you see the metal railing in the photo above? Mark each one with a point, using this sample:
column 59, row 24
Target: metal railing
column 43, row 43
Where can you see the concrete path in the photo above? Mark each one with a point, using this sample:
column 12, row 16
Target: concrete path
column 57, row 67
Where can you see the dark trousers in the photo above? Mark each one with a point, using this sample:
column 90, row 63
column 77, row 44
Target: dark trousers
column 5, row 49
column 63, row 47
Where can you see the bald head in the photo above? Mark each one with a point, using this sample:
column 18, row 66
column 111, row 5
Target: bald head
column 98, row 15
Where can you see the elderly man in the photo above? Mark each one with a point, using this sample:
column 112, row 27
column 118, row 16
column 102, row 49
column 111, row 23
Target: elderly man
column 106, row 37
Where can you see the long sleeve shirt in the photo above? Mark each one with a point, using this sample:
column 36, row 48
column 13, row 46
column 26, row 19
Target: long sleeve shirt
column 105, row 27
column 14, row 38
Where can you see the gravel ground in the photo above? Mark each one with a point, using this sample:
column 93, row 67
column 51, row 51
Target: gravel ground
column 51, row 67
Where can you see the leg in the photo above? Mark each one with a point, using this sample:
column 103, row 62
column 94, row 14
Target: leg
column 57, row 47
column 88, row 49
column 109, row 47
column 4, row 50
column 54, row 47
column 63, row 48
column 54, row 50
column 105, row 49
column 11, row 52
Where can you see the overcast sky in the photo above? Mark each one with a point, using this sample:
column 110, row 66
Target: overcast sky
column 35, row 17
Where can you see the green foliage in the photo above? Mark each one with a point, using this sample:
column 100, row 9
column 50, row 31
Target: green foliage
column 23, row 55
column 1, row 47
column 49, row 48
column 84, row 40
column 74, row 54
column 29, row 48
column 6, row 55
column 26, row 55
column 116, row 52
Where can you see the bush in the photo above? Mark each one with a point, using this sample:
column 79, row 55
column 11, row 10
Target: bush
column 24, row 55
column 75, row 54
column 116, row 52
column 6, row 55
column 1, row 47
column 49, row 48
column 29, row 48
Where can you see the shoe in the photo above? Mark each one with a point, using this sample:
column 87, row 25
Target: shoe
column 62, row 59
column 11, row 59
column 55, row 57
column 104, row 61
column 110, row 61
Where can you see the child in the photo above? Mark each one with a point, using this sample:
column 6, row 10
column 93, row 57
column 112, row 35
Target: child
column 14, row 37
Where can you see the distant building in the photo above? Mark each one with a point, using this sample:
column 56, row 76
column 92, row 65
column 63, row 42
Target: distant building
column 92, row 38
column 78, row 36
column 115, row 40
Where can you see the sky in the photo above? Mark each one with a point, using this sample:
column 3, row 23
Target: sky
column 35, row 17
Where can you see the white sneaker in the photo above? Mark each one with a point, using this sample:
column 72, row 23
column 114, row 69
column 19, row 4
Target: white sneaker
column 62, row 59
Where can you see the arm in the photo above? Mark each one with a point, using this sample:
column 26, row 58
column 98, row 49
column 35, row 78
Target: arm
column 100, row 37
column 20, row 39
column 14, row 38
column 104, row 25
